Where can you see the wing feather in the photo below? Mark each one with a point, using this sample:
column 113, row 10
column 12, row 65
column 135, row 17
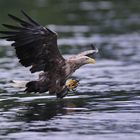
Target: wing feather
column 29, row 18
column 35, row 45
column 13, row 27
column 8, row 32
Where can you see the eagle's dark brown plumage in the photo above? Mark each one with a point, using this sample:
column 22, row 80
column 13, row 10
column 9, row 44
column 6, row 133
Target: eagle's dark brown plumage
column 36, row 46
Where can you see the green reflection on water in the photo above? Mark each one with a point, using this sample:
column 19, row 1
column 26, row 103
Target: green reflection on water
column 105, row 14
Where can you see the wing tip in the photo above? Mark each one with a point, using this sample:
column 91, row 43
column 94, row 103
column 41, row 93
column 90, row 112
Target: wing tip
column 29, row 18
column 94, row 48
column 10, row 15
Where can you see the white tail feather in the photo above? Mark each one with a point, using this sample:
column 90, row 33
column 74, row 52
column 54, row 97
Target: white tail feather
column 20, row 84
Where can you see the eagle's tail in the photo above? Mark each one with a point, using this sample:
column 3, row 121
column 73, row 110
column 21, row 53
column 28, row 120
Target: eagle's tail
column 35, row 86
column 18, row 84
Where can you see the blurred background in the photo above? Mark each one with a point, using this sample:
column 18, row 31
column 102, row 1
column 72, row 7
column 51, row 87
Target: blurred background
column 106, row 105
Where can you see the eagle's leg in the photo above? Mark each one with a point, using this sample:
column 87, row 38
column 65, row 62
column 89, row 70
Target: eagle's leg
column 69, row 87
column 62, row 93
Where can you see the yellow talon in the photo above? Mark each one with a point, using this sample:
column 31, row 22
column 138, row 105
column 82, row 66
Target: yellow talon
column 71, row 84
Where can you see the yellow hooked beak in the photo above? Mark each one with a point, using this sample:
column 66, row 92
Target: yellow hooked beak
column 91, row 61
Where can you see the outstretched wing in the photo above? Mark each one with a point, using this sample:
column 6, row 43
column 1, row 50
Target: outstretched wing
column 35, row 45
column 89, row 53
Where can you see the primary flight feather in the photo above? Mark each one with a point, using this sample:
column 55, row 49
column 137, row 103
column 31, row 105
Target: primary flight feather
column 36, row 46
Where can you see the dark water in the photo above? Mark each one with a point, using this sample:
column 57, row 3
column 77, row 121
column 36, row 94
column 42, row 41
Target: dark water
column 107, row 104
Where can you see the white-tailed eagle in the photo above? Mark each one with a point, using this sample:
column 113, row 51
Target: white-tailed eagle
column 36, row 46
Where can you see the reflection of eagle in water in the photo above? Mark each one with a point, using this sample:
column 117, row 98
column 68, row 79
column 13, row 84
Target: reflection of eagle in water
column 36, row 46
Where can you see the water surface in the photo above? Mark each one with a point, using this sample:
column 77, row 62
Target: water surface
column 107, row 103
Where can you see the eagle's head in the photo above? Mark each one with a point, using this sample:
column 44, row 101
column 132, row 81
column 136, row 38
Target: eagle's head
column 75, row 63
